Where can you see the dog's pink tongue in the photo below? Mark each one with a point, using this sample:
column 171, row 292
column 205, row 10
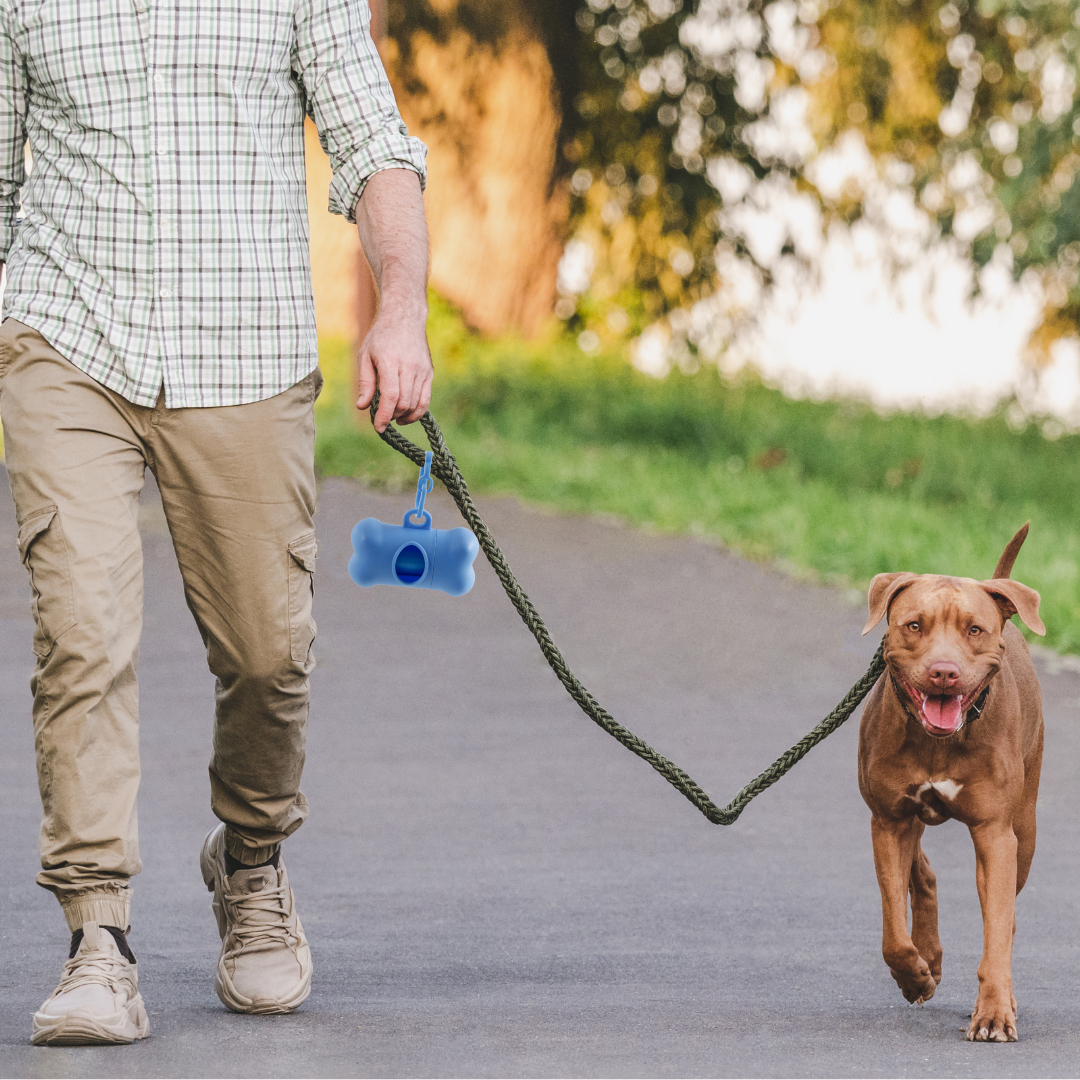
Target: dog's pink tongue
column 942, row 712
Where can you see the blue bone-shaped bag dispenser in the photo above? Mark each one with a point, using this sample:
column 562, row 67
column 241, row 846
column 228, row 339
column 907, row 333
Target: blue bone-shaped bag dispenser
column 415, row 555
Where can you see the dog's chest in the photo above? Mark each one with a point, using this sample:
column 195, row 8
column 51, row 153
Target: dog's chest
column 934, row 799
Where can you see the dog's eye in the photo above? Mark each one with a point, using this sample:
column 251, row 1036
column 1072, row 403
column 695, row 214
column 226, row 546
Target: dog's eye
column 975, row 630
column 913, row 627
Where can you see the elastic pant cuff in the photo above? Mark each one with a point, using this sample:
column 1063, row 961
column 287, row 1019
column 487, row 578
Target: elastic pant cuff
column 248, row 856
column 112, row 908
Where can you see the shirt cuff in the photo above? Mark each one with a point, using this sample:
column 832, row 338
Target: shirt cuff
column 385, row 151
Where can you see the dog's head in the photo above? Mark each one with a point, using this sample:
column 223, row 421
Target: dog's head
column 944, row 641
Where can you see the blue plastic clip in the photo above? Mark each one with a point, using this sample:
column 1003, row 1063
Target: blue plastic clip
column 411, row 554
column 423, row 486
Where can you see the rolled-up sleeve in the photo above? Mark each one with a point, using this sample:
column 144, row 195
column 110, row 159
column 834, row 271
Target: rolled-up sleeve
column 350, row 99
column 12, row 131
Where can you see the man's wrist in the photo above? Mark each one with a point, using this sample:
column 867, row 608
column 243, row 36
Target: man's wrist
column 403, row 305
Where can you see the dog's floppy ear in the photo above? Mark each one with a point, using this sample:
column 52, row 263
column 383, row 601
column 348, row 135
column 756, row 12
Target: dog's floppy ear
column 1016, row 599
column 882, row 590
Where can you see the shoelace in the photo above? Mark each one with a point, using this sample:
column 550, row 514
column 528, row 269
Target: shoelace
column 248, row 906
column 98, row 966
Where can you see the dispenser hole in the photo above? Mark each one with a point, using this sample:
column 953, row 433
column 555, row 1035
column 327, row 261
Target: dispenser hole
column 410, row 564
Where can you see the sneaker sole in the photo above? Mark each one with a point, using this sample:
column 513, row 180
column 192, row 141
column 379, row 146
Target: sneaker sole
column 262, row 1007
column 90, row 1029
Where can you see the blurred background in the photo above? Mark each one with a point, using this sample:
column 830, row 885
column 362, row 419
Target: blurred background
column 798, row 276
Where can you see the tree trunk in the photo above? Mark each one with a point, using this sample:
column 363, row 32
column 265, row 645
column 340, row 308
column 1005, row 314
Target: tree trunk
column 485, row 101
column 474, row 81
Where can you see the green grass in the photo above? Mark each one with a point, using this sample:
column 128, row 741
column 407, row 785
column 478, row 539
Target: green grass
column 831, row 490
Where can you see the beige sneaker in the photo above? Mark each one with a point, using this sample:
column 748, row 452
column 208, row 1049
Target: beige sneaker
column 97, row 1000
column 265, row 963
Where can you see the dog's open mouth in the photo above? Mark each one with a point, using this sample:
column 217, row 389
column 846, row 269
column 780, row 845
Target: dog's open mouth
column 940, row 714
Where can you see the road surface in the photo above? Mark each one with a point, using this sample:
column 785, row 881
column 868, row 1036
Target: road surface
column 493, row 887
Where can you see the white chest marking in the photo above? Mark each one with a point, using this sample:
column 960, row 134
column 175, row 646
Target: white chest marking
column 947, row 789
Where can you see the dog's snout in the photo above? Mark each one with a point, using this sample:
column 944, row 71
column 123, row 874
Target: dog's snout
column 943, row 673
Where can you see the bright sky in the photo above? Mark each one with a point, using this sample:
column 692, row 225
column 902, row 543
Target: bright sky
column 887, row 314
column 919, row 341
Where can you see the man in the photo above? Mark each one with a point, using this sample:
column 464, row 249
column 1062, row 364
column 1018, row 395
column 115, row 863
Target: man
column 159, row 314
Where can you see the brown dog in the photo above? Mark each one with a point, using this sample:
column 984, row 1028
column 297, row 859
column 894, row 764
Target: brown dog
column 953, row 729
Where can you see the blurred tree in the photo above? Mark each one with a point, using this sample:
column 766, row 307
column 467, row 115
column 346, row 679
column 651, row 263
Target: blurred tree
column 685, row 128
column 478, row 80
column 977, row 98
column 641, row 101
column 685, row 108
column 378, row 19
column 682, row 111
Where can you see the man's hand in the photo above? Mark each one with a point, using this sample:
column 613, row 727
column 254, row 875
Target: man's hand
column 394, row 358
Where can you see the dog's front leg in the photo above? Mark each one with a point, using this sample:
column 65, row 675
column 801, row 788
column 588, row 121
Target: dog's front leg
column 894, row 849
column 994, row 1018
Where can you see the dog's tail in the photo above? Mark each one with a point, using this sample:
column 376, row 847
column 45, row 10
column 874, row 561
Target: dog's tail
column 1008, row 556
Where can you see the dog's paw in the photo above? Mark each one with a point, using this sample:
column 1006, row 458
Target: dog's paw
column 935, row 967
column 993, row 1021
column 917, row 986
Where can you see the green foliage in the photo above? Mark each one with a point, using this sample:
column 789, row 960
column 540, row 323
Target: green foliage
column 974, row 98
column 830, row 489
column 985, row 83
column 652, row 110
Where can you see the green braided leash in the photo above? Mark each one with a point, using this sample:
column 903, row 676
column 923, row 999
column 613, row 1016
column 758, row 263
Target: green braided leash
column 446, row 469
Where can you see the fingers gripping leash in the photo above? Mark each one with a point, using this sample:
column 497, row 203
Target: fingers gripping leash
column 443, row 466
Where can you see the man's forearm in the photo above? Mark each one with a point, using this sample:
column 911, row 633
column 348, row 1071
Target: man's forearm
column 394, row 358
column 393, row 233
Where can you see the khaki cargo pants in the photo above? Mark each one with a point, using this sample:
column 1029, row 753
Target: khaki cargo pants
column 238, row 488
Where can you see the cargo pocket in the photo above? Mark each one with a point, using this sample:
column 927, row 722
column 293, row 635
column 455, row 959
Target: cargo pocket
column 5, row 354
column 45, row 554
column 302, row 554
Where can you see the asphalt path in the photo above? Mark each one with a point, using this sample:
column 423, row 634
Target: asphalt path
column 493, row 887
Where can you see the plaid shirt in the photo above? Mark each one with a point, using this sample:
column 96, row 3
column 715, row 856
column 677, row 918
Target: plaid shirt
column 164, row 233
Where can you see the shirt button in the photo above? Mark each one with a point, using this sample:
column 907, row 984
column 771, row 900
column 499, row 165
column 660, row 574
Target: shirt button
column 159, row 78
column 165, row 294
column 162, row 151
